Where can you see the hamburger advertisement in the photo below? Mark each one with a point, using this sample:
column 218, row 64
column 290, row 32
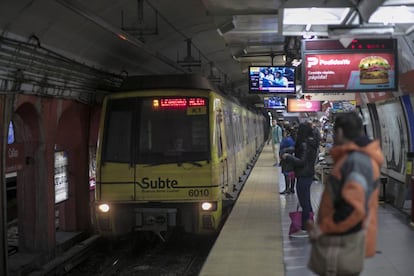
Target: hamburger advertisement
column 374, row 70
column 349, row 72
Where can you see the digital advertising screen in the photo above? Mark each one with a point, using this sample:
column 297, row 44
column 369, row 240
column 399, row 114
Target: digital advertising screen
column 343, row 106
column 272, row 79
column 365, row 65
column 301, row 105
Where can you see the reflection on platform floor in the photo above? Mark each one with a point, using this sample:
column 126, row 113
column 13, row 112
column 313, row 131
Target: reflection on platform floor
column 395, row 244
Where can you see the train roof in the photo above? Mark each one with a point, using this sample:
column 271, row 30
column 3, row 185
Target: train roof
column 183, row 81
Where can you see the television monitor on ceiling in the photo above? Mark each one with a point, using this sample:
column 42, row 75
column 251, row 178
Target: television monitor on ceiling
column 272, row 79
column 274, row 102
column 365, row 65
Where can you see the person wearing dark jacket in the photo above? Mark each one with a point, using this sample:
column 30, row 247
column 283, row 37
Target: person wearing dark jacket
column 287, row 146
column 304, row 167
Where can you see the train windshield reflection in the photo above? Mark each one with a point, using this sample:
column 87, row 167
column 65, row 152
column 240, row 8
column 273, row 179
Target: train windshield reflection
column 141, row 133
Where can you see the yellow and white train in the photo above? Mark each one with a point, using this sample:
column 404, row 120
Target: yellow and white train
column 172, row 152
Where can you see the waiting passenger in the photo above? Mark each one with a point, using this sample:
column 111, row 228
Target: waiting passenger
column 304, row 167
column 346, row 228
column 287, row 146
column 277, row 135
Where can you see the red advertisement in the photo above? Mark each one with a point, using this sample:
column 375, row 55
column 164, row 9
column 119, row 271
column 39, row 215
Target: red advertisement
column 349, row 72
column 300, row 105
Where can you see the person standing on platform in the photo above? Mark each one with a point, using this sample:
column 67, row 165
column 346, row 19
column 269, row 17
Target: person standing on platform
column 346, row 227
column 269, row 134
column 277, row 135
column 303, row 162
column 316, row 130
column 317, row 135
column 287, row 145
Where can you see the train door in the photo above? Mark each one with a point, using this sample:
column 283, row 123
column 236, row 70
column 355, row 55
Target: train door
column 222, row 145
column 231, row 149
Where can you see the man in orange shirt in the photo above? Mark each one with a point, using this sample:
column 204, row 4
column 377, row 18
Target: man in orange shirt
column 347, row 216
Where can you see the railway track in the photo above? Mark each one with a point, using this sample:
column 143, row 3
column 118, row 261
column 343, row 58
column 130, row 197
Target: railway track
column 181, row 255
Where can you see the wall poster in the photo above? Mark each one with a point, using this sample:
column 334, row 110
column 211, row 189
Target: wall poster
column 394, row 137
column 61, row 176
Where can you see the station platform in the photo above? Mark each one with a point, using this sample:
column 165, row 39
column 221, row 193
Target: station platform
column 255, row 241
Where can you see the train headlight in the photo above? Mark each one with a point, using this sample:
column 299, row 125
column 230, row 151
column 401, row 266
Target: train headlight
column 104, row 208
column 209, row 206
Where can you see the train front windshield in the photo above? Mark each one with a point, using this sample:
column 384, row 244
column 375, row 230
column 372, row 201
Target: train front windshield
column 156, row 130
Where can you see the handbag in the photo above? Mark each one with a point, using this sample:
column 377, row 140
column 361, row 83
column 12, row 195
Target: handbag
column 296, row 220
column 282, row 182
column 338, row 254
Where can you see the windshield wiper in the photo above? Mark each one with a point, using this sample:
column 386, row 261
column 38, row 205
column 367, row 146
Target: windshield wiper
column 159, row 163
column 180, row 163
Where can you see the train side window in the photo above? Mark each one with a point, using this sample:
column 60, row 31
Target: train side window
column 238, row 131
column 228, row 129
column 118, row 134
column 219, row 138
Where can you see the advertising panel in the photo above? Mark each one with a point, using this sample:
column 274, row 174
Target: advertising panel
column 364, row 66
column 92, row 167
column 300, row 105
column 364, row 72
column 61, row 176
column 408, row 107
column 394, row 137
column 329, row 96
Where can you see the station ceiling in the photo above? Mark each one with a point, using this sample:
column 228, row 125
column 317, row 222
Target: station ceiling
column 217, row 38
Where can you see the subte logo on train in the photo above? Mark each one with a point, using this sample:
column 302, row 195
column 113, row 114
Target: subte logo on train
column 147, row 183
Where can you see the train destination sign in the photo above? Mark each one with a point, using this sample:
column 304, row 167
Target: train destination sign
column 178, row 102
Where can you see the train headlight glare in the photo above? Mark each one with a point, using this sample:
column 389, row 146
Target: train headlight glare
column 104, row 208
column 209, row 206
column 206, row 206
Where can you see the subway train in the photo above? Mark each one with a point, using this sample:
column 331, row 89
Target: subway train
column 172, row 153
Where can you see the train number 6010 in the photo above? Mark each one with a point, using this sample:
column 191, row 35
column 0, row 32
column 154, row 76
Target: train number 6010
column 198, row 192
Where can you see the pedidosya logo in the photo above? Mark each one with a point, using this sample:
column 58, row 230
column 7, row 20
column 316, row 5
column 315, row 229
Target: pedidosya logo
column 312, row 61
column 159, row 183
